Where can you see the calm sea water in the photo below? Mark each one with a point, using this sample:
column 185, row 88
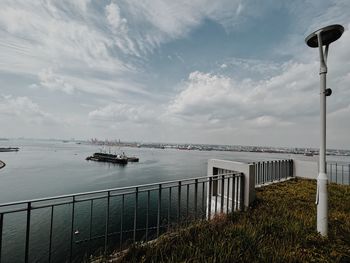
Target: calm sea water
column 50, row 168
column 44, row 168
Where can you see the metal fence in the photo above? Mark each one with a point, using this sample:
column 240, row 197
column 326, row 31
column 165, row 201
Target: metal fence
column 70, row 228
column 273, row 171
column 338, row 173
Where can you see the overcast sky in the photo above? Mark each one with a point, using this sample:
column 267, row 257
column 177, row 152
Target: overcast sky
column 199, row 71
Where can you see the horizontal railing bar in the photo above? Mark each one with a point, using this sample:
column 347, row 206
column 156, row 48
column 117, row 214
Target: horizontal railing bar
column 233, row 174
column 34, row 207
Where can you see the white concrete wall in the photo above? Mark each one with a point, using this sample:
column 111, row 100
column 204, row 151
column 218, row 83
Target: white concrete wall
column 248, row 171
column 305, row 169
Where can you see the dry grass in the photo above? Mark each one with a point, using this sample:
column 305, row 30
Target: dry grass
column 279, row 227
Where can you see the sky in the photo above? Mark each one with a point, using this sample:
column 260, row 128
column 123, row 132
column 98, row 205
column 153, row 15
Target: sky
column 217, row 72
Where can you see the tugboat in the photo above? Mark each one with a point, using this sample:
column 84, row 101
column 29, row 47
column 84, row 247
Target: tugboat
column 133, row 159
column 308, row 153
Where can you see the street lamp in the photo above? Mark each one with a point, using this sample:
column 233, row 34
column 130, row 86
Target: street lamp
column 320, row 38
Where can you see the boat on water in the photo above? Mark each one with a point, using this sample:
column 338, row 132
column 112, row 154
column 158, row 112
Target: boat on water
column 133, row 159
column 9, row 149
column 107, row 157
column 308, row 153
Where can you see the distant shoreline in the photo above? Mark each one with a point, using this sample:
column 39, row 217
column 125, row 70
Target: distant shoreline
column 2, row 164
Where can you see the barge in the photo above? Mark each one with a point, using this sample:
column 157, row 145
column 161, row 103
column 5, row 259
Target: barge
column 110, row 158
column 9, row 149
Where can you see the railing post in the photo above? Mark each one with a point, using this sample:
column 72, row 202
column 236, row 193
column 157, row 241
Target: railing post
column 280, row 170
column 228, row 195
column 147, row 212
column 215, row 193
column 241, row 202
column 209, row 197
column 195, row 197
column 90, row 224
column 1, row 225
column 50, row 241
column 331, row 170
column 238, row 185
column 187, row 200
column 215, row 186
column 286, row 167
column 203, row 201
column 179, row 203
column 222, row 193
column 336, row 172
column 233, row 194
column 26, row 255
column 169, row 208
column 135, row 212
column 121, row 223
column 263, row 173
column 72, row 232
column 159, row 208
column 107, row 224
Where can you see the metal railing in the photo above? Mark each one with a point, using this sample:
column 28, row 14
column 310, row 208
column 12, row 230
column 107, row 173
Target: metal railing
column 338, row 173
column 273, row 171
column 69, row 228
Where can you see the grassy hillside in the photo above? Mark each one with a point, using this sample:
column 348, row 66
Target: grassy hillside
column 279, row 227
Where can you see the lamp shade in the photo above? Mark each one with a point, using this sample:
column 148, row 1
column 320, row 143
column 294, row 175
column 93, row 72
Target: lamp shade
column 328, row 35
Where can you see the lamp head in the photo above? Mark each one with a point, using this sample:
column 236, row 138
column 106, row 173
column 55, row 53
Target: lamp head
column 328, row 35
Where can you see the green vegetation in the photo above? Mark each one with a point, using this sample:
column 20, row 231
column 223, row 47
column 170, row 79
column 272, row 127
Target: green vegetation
column 279, row 227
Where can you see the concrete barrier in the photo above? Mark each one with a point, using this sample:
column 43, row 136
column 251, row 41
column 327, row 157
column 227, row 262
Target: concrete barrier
column 305, row 169
column 248, row 171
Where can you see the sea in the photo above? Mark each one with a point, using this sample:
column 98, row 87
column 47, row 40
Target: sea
column 44, row 168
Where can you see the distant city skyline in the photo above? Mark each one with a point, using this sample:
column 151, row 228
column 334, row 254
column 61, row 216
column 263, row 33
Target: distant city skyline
column 210, row 72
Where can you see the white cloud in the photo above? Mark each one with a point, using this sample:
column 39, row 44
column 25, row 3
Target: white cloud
column 25, row 109
column 159, row 21
column 289, row 96
column 36, row 36
column 118, row 112
column 239, row 9
column 114, row 18
column 48, row 79
column 109, row 51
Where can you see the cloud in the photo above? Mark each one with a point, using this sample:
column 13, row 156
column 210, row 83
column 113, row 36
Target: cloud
column 288, row 92
column 111, row 51
column 37, row 36
column 291, row 95
column 119, row 112
column 48, row 79
column 156, row 22
column 114, row 18
column 25, row 109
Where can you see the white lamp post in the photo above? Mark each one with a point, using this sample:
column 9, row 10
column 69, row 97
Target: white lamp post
column 320, row 38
